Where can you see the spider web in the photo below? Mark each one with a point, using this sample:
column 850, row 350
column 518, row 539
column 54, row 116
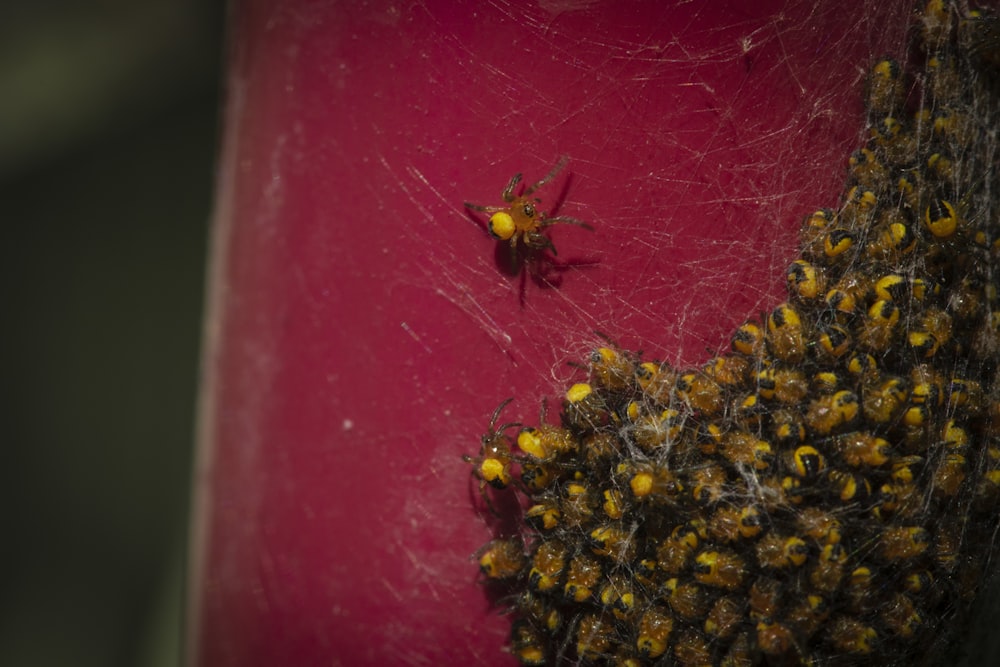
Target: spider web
column 698, row 139
column 704, row 176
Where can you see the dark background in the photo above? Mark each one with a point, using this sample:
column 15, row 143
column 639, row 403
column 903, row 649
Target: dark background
column 109, row 115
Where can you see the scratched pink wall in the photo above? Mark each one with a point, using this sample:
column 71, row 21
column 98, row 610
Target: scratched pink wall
column 362, row 327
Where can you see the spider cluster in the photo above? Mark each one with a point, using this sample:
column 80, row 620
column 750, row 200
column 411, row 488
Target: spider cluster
column 827, row 492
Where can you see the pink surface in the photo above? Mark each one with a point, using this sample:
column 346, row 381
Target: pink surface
column 362, row 328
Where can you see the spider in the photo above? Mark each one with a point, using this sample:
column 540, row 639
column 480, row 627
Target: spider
column 492, row 466
column 521, row 222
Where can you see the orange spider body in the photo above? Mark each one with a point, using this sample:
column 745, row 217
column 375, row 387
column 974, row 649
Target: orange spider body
column 521, row 221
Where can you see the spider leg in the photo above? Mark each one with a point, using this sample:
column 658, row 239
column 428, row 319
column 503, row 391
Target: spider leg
column 513, row 257
column 548, row 177
column 484, row 209
column 538, row 241
column 508, row 192
column 543, row 411
column 507, row 426
column 496, row 414
column 565, row 220
column 489, row 503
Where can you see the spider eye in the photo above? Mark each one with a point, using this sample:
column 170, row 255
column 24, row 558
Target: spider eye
column 502, row 225
column 529, row 210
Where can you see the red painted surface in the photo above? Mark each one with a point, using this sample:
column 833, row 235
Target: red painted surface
column 362, row 328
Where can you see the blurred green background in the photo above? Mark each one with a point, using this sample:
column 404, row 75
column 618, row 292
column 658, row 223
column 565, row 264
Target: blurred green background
column 109, row 116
